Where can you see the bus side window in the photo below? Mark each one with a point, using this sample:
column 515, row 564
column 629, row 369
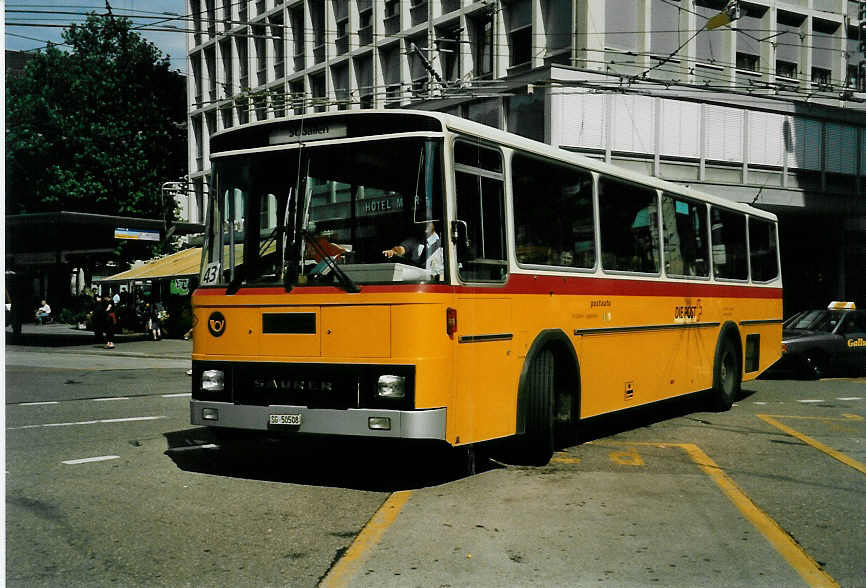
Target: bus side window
column 480, row 205
column 685, row 238
column 552, row 213
column 629, row 227
column 762, row 250
column 729, row 244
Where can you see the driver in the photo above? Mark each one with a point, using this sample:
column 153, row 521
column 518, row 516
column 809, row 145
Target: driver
column 426, row 253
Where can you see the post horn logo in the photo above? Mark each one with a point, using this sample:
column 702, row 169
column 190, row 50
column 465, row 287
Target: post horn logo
column 216, row 323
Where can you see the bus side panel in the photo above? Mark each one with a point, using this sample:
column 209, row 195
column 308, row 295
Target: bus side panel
column 419, row 337
column 485, row 405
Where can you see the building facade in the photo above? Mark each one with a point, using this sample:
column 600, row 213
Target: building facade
column 768, row 110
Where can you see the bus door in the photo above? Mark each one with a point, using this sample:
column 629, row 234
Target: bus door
column 485, row 400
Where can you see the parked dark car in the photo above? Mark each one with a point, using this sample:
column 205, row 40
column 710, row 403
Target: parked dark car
column 819, row 342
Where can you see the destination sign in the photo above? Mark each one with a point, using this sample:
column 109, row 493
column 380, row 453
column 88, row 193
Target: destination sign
column 309, row 131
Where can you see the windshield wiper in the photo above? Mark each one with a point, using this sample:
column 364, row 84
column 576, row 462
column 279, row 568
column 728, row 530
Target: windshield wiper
column 345, row 281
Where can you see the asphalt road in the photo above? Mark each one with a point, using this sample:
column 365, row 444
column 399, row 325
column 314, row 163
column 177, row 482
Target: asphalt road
column 108, row 484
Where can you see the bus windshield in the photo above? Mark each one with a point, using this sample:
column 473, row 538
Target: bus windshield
column 361, row 212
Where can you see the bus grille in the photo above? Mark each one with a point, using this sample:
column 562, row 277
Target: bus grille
column 332, row 386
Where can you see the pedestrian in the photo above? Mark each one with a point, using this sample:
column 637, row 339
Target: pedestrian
column 43, row 313
column 153, row 323
column 109, row 321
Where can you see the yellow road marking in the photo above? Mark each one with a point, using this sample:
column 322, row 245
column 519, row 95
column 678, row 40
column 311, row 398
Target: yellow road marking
column 847, row 417
column 627, row 458
column 814, row 443
column 781, row 541
column 368, row 538
column 564, row 457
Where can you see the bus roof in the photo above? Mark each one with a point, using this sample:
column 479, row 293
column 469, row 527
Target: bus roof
column 255, row 134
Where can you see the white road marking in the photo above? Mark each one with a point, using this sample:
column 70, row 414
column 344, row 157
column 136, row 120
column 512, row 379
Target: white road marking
column 90, row 459
column 810, row 401
column 37, row 403
column 851, row 398
column 184, row 395
column 761, row 403
column 193, row 447
column 109, row 399
column 125, row 420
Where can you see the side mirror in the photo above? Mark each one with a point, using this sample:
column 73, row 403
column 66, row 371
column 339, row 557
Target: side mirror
column 455, row 232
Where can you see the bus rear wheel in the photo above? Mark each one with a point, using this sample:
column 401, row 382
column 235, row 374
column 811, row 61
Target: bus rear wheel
column 537, row 444
column 727, row 375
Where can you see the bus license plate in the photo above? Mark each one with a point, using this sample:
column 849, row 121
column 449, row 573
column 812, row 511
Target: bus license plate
column 293, row 420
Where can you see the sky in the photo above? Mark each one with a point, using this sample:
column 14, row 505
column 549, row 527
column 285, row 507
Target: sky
column 59, row 13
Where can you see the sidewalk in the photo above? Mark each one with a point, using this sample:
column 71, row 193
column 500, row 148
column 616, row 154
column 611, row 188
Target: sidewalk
column 64, row 338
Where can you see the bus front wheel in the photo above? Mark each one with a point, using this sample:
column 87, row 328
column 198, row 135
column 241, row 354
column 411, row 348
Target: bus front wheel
column 537, row 443
column 727, row 374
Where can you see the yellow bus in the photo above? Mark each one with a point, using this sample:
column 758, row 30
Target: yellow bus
column 415, row 275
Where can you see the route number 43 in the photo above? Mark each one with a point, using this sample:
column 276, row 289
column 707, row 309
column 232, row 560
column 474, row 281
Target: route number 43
column 211, row 274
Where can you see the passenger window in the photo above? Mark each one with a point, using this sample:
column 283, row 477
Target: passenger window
column 729, row 244
column 855, row 323
column 553, row 214
column 481, row 229
column 685, row 237
column 762, row 250
column 477, row 156
column 629, row 227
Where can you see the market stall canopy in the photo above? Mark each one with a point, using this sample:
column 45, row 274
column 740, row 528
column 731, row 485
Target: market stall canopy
column 177, row 265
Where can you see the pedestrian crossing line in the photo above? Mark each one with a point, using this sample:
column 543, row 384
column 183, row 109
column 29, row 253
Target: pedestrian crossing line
column 93, row 422
column 90, row 459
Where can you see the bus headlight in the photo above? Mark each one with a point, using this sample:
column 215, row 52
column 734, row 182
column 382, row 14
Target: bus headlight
column 212, row 380
column 391, row 387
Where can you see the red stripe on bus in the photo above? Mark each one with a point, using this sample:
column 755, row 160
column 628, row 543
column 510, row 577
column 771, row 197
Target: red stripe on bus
column 536, row 284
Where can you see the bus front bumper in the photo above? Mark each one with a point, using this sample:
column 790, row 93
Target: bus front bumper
column 400, row 424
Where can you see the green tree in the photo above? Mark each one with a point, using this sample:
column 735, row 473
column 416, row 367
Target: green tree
column 97, row 128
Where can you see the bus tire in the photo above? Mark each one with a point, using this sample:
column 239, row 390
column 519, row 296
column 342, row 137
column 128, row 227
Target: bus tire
column 537, row 443
column 727, row 373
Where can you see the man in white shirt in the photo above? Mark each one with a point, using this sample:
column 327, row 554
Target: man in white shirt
column 427, row 251
column 43, row 312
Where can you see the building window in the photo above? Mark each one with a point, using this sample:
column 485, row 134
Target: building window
column 525, row 115
column 519, row 16
column 298, row 97
column 227, row 117
column 485, row 112
column 243, row 72
column 317, row 89
column 748, row 62
column 277, row 47
column 392, row 96
column 821, row 76
column 788, row 43
column 392, row 16
column 365, row 26
column 418, row 11
column 226, row 54
column 195, row 9
column 448, row 45
column 786, row 69
column 296, row 18
column 317, row 16
column 482, row 41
